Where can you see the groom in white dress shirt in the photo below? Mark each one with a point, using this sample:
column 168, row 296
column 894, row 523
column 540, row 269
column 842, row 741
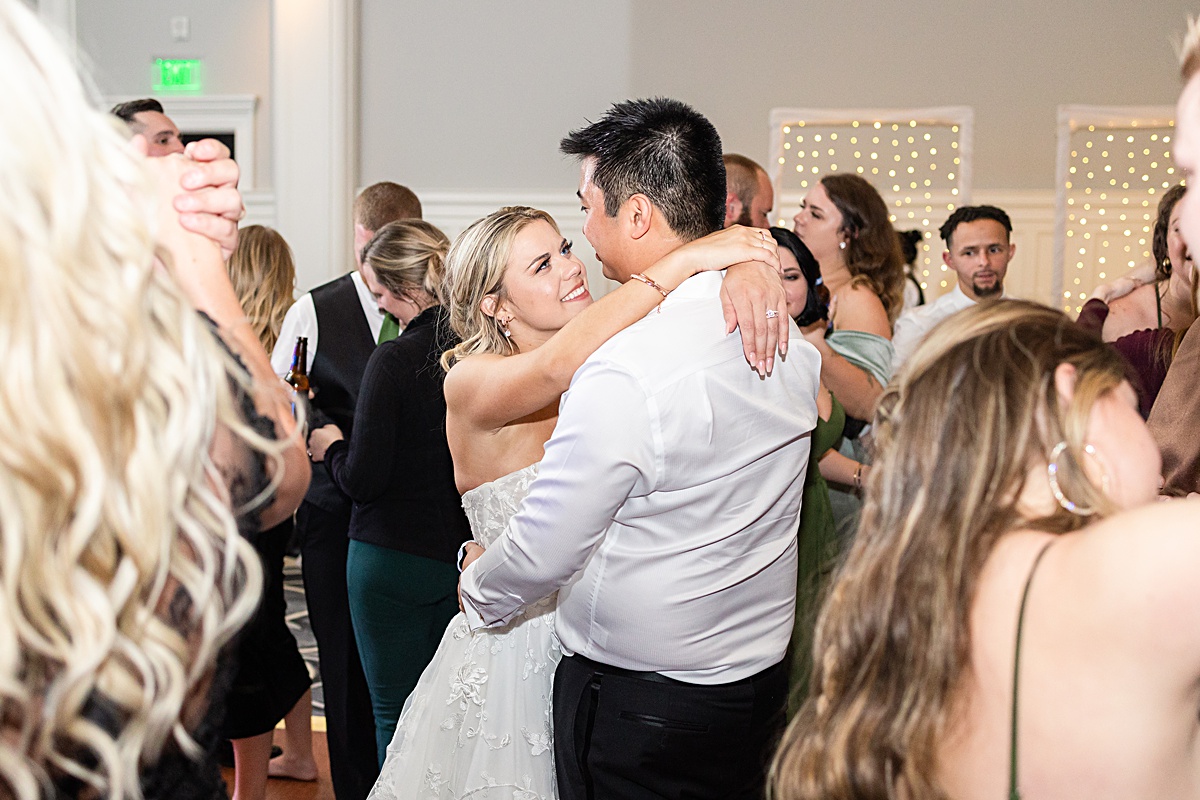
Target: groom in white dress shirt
column 665, row 509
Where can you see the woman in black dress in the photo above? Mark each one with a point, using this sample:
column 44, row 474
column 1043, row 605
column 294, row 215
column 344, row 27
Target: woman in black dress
column 272, row 681
column 407, row 522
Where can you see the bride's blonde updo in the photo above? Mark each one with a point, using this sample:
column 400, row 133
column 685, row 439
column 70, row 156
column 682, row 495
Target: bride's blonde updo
column 475, row 269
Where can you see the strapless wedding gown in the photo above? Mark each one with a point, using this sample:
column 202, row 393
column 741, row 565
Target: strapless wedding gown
column 478, row 723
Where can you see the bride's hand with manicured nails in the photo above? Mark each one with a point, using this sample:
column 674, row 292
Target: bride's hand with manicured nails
column 751, row 289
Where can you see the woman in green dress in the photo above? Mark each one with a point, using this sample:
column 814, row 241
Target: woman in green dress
column 808, row 305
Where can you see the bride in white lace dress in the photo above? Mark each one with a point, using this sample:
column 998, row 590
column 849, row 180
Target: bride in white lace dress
column 478, row 723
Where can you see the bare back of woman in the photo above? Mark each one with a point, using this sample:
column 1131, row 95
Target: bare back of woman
column 1015, row 611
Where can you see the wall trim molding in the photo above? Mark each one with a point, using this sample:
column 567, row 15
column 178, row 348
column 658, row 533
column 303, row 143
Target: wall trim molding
column 1031, row 210
column 260, row 208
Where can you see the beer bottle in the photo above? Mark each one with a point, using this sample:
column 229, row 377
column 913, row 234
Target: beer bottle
column 297, row 376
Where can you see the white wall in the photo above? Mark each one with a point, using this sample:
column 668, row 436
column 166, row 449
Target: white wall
column 120, row 39
column 475, row 94
column 1014, row 61
column 465, row 101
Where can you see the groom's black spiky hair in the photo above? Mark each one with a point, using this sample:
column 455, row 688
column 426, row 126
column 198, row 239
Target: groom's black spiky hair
column 663, row 149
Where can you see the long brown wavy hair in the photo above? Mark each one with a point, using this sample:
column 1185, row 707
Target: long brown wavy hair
column 873, row 253
column 1162, row 229
column 958, row 431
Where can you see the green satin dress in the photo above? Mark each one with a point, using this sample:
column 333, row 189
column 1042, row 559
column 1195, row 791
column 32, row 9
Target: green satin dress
column 818, row 552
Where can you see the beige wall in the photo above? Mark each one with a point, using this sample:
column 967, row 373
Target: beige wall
column 119, row 40
column 465, row 100
column 475, row 94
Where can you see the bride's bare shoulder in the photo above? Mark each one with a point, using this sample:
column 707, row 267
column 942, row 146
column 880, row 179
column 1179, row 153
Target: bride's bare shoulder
column 467, row 373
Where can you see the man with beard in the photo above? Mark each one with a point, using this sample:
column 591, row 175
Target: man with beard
column 978, row 250
column 748, row 193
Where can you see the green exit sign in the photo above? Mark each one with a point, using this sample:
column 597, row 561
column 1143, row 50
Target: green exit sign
column 177, row 74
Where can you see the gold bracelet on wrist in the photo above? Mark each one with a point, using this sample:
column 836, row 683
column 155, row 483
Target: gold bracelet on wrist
column 858, row 477
column 637, row 276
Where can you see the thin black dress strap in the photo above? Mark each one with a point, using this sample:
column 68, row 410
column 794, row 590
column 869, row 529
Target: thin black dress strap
column 1158, row 303
column 1013, row 792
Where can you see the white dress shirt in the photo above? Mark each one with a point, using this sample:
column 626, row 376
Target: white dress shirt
column 301, row 320
column 915, row 324
column 667, row 503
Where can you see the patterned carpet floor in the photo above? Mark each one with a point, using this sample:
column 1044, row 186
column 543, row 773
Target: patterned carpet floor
column 297, row 620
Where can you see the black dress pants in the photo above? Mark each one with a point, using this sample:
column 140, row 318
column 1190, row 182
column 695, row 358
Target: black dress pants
column 349, row 720
column 640, row 736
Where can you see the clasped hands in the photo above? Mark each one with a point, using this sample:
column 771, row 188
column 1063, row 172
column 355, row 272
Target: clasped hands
column 198, row 191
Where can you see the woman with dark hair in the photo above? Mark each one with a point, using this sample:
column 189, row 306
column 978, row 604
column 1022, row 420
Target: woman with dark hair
column 808, row 305
column 844, row 223
column 1146, row 323
column 914, row 295
column 1138, row 302
column 1010, row 550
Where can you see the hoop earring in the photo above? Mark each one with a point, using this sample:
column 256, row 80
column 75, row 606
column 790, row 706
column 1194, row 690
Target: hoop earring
column 1052, row 473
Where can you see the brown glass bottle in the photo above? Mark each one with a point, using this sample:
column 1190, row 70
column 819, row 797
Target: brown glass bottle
column 297, row 375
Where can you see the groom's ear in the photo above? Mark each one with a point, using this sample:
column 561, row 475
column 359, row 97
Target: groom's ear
column 637, row 212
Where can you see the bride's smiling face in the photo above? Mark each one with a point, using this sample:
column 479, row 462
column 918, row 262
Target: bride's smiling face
column 545, row 285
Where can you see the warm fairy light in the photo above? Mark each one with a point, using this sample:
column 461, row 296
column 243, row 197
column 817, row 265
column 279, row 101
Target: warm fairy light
column 915, row 177
column 1126, row 168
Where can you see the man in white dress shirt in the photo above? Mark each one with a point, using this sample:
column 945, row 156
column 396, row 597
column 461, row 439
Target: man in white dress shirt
column 666, row 505
column 978, row 250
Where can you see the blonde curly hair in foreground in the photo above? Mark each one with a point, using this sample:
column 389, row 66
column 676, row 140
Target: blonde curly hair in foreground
column 475, row 269
column 957, row 432
column 122, row 572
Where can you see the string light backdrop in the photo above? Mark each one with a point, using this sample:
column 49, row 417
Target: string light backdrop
column 918, row 159
column 1113, row 166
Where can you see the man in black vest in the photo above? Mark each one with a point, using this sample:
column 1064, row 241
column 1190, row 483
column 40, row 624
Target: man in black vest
column 343, row 324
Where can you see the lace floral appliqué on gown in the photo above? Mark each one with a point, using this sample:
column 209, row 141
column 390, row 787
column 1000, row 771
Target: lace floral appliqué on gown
column 478, row 723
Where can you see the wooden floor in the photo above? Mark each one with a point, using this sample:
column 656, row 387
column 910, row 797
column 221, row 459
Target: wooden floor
column 278, row 789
